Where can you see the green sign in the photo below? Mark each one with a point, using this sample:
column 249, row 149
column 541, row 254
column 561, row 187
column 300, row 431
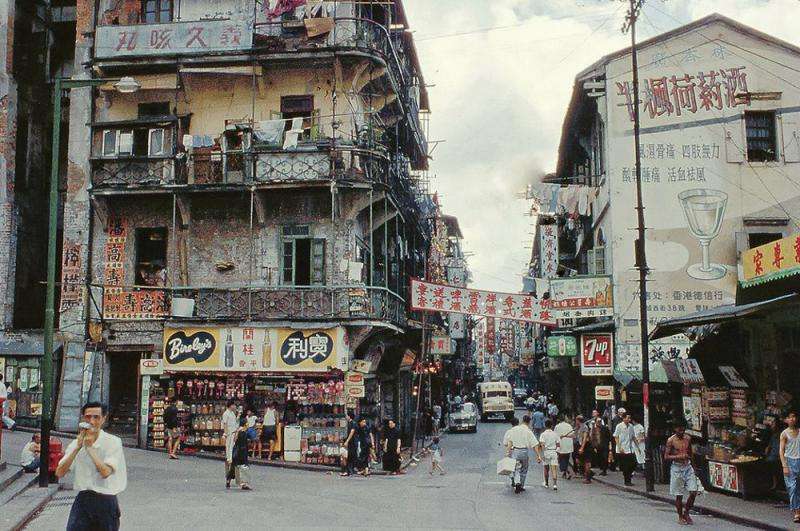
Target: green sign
column 558, row 346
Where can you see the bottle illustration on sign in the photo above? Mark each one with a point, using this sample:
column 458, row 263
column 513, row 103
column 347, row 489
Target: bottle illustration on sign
column 704, row 210
column 229, row 350
column 562, row 346
column 266, row 351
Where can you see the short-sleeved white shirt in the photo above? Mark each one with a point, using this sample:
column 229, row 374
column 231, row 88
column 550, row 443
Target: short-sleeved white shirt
column 565, row 431
column 549, row 440
column 109, row 449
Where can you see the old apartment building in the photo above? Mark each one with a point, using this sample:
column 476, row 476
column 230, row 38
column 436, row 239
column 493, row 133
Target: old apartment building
column 257, row 194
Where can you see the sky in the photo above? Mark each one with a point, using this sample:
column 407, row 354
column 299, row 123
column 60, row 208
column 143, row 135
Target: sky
column 500, row 75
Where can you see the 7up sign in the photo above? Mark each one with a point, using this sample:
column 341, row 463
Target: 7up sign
column 597, row 358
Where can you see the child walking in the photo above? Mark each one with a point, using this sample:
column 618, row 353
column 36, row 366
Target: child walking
column 436, row 457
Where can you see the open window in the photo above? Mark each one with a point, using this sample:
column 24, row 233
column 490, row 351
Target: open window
column 301, row 107
column 151, row 257
column 762, row 145
column 136, row 142
column 303, row 257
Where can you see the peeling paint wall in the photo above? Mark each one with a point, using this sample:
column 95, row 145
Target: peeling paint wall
column 8, row 127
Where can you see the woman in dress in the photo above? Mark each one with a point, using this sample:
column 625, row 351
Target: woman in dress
column 391, row 449
column 364, row 441
column 790, row 459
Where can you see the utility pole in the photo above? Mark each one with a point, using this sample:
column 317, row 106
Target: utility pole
column 641, row 257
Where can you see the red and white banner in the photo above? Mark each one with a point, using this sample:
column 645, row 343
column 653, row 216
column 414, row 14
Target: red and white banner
column 430, row 297
column 597, row 355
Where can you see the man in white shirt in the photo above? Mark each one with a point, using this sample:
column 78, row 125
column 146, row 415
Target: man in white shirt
column 100, row 472
column 29, row 458
column 230, row 425
column 7, row 421
column 566, row 447
column 625, row 439
column 550, row 443
column 519, row 441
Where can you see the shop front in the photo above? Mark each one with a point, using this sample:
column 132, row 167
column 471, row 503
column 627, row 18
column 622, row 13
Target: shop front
column 301, row 371
column 25, row 399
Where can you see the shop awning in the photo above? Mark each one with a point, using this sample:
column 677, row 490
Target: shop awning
column 657, row 375
column 721, row 314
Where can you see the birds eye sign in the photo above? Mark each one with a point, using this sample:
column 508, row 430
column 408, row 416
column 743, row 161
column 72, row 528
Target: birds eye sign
column 597, row 358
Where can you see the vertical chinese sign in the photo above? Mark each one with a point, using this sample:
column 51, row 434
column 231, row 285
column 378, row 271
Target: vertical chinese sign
column 548, row 251
column 490, row 336
column 70, row 276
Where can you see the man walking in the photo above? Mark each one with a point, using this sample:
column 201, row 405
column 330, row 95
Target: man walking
column 682, row 479
column 625, row 439
column 566, row 446
column 538, row 422
column 100, row 472
column 230, row 425
column 173, row 431
column 600, row 438
column 550, row 442
column 520, row 441
column 585, row 450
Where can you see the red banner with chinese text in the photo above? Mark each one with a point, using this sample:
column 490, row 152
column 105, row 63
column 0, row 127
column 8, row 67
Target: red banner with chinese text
column 430, row 297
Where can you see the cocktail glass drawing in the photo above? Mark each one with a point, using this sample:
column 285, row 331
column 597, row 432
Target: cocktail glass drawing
column 704, row 210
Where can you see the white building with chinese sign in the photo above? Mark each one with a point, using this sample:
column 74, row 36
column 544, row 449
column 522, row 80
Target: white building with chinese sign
column 720, row 122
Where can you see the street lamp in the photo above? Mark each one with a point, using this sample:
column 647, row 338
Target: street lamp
column 125, row 85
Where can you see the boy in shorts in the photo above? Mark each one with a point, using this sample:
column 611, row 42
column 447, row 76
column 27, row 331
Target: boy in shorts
column 436, row 457
column 682, row 481
column 550, row 442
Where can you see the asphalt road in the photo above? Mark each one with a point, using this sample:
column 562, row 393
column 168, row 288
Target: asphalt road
column 190, row 494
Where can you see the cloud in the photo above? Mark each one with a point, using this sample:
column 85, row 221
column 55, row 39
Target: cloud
column 500, row 96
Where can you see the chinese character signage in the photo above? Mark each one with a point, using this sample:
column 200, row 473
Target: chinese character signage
column 597, row 358
column 457, row 276
column 253, row 349
column 71, row 278
column 562, row 346
column 440, row 345
column 490, row 336
column 689, row 371
column 427, row 296
column 202, row 36
column 580, row 297
column 458, row 325
column 548, row 251
column 771, row 261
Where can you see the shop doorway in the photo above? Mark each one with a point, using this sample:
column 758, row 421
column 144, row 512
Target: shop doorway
column 123, row 369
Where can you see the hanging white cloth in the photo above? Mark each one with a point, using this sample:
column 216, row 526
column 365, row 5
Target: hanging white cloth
column 293, row 134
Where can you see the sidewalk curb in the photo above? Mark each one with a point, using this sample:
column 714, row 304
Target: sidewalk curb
column 29, row 515
column 699, row 507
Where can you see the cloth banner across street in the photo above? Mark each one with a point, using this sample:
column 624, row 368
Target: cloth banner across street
column 427, row 296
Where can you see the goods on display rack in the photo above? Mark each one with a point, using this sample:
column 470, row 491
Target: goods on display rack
column 320, row 413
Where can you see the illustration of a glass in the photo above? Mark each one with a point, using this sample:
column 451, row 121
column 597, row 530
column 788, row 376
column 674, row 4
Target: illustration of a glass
column 704, row 210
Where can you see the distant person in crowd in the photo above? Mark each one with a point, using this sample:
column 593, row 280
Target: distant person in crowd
column 550, row 441
column 376, row 436
column 173, row 429
column 31, row 454
column 625, row 439
column 4, row 395
column 251, row 418
column 790, row 459
column 269, row 429
column 613, row 422
column 530, row 404
column 437, row 417
column 520, row 440
column 566, row 446
column 580, row 434
column 365, row 442
column 682, row 479
column 552, row 412
column 239, row 469
column 538, row 422
column 230, row 425
column 427, row 422
column 436, row 457
column 638, row 431
column 391, row 448
column 350, row 444
column 600, row 438
column 100, row 472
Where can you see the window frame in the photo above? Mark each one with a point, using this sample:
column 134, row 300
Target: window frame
column 771, row 128
column 290, row 234
column 595, row 256
column 162, row 151
column 161, row 7
column 114, row 134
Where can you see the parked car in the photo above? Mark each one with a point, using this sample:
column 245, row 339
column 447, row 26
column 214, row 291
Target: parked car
column 465, row 418
column 519, row 396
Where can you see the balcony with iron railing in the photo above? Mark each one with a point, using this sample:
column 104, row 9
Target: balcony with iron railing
column 245, row 304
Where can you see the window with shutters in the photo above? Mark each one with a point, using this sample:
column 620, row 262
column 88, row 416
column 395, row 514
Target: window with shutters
column 301, row 107
column 596, row 261
column 303, row 257
column 761, row 138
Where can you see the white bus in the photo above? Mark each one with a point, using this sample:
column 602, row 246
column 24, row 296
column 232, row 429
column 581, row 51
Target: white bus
column 495, row 398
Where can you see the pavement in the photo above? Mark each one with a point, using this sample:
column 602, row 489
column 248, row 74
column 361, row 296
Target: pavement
column 190, row 494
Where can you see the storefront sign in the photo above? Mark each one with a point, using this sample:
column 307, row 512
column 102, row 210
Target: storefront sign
column 144, row 410
column 578, row 297
column 426, row 296
column 151, row 367
column 548, row 251
column 604, row 392
column 778, row 259
column 354, row 379
column 597, row 358
column 71, row 267
column 361, row 366
column 253, row 349
column 355, row 391
column 692, row 412
column 562, row 346
column 723, row 476
column 201, row 36
column 689, row 371
column 458, row 325
column 733, row 377
column 440, row 345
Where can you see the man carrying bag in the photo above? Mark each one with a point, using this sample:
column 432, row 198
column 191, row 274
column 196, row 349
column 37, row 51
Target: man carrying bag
column 520, row 440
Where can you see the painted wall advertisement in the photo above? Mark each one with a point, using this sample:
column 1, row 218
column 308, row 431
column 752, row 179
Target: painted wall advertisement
column 597, row 355
column 562, row 346
column 580, row 297
column 693, row 142
column 254, row 349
